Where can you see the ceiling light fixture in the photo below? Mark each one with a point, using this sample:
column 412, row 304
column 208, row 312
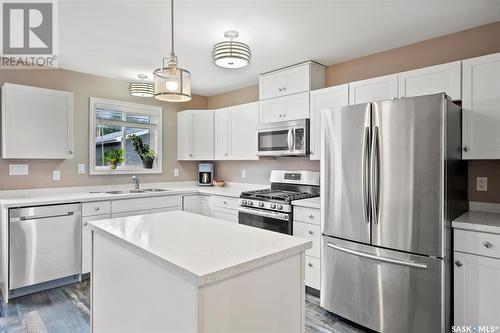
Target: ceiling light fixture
column 141, row 88
column 172, row 84
column 231, row 54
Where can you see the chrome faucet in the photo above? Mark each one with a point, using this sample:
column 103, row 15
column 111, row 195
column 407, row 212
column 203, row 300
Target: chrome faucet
column 136, row 181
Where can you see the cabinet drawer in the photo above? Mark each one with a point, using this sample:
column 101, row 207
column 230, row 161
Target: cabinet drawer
column 475, row 242
column 96, row 208
column 127, row 205
column 225, row 202
column 308, row 215
column 313, row 272
column 226, row 214
column 310, row 232
column 130, row 213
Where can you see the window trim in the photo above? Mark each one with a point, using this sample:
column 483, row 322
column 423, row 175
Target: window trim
column 155, row 111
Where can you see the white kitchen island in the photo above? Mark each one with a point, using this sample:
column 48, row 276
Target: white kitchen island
column 182, row 272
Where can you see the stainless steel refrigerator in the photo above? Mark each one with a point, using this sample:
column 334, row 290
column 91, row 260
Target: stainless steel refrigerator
column 392, row 180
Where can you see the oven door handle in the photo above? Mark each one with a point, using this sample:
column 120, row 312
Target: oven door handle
column 273, row 215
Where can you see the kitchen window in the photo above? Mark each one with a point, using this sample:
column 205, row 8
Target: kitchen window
column 111, row 125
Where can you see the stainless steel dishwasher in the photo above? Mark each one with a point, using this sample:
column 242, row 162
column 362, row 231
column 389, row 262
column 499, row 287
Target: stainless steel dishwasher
column 45, row 247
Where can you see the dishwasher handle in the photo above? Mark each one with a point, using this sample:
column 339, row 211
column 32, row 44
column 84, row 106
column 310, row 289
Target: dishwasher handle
column 39, row 217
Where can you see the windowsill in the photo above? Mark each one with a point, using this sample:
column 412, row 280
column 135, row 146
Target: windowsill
column 117, row 171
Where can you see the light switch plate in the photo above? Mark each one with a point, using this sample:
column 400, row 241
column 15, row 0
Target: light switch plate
column 18, row 169
column 81, row 168
column 482, row 184
column 56, row 175
column 243, row 173
column 176, row 172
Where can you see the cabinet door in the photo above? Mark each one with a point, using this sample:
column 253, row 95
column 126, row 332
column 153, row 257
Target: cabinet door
column 221, row 117
column 271, row 85
column 324, row 99
column 226, row 214
column 243, row 121
column 296, row 106
column 480, row 107
column 476, row 290
column 131, row 213
column 297, row 80
column 372, row 90
column 87, row 241
column 432, row 80
column 184, row 130
column 198, row 204
column 36, row 123
column 203, row 134
column 271, row 111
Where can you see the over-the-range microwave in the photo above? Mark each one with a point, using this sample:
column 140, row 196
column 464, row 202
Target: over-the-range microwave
column 288, row 138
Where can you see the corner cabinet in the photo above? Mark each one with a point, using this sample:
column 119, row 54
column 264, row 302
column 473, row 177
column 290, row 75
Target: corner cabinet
column 37, row 123
column 480, row 107
column 372, row 90
column 321, row 99
column 195, row 135
column 235, row 132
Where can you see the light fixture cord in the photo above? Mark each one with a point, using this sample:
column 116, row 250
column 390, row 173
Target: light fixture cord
column 172, row 25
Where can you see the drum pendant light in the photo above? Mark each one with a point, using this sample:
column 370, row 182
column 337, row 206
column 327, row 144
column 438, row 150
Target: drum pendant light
column 172, row 84
column 141, row 88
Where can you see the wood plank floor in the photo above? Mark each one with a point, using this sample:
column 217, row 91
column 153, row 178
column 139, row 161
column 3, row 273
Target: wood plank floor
column 66, row 310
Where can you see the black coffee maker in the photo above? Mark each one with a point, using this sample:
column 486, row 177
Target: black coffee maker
column 205, row 174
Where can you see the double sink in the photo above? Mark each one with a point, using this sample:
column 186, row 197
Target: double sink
column 146, row 190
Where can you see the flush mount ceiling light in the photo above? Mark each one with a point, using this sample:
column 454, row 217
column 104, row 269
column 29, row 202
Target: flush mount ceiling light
column 172, row 84
column 231, row 54
column 141, row 88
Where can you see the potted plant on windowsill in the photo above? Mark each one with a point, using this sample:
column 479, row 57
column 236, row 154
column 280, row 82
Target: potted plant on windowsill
column 114, row 157
column 144, row 151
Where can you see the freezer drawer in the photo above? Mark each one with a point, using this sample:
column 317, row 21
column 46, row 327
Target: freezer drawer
column 384, row 290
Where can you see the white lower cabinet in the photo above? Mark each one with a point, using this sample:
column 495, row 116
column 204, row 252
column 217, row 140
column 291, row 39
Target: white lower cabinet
column 198, row 204
column 225, row 208
column 139, row 206
column 306, row 225
column 87, row 241
column 476, row 278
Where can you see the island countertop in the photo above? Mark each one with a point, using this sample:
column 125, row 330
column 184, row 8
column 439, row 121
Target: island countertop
column 199, row 248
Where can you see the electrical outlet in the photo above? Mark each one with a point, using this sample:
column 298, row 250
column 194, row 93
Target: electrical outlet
column 81, row 168
column 176, row 172
column 18, row 170
column 56, row 175
column 243, row 173
column 482, row 184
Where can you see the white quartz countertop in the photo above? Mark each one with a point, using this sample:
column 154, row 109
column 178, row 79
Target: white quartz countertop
column 309, row 203
column 23, row 198
column 202, row 249
column 478, row 221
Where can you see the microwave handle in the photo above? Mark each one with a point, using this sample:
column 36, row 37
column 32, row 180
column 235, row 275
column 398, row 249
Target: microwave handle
column 290, row 140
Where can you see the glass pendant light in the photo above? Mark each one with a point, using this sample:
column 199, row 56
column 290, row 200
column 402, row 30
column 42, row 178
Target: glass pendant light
column 172, row 84
column 141, row 88
column 231, row 54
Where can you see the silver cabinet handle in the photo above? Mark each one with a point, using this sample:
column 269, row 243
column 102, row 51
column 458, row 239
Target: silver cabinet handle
column 311, row 232
column 458, row 263
column 70, row 152
column 311, row 216
column 85, row 224
column 488, row 245
column 279, row 89
column 190, row 155
column 96, row 208
column 377, row 258
column 225, row 202
column 284, row 88
column 310, row 265
column 311, row 153
column 466, row 148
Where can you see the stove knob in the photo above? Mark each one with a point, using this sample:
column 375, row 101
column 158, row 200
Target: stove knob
column 250, row 203
column 279, row 207
column 273, row 206
column 261, row 204
column 243, row 202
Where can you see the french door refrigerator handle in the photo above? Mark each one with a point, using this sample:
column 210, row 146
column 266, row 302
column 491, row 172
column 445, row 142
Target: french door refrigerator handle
column 377, row 258
column 374, row 174
column 365, row 174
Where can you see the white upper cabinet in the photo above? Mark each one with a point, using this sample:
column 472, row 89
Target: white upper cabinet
column 235, row 132
column 291, row 107
column 480, row 107
column 321, row 99
column 36, row 123
column 372, row 90
column 291, row 80
column 195, row 135
column 432, row 80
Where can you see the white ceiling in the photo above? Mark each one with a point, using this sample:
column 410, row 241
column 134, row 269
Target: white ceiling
column 120, row 39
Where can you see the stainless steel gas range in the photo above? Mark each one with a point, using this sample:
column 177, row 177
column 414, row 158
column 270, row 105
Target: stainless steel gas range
column 271, row 209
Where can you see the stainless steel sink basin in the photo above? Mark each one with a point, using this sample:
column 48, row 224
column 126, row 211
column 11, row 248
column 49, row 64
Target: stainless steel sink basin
column 154, row 190
column 124, row 192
